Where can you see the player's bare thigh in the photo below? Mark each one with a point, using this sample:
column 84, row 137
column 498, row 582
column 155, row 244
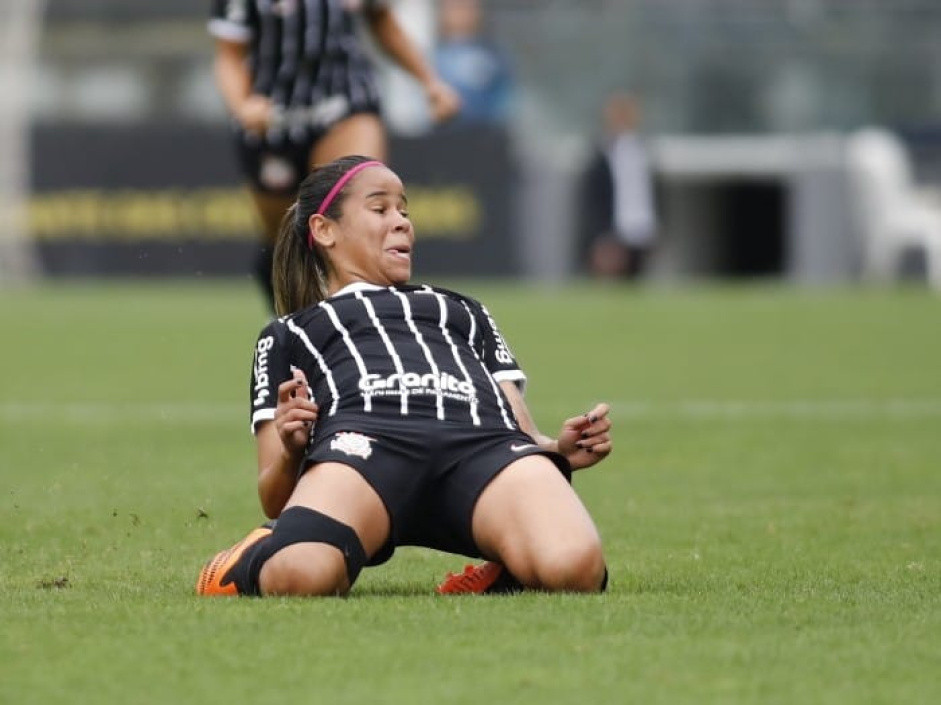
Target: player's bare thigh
column 531, row 520
column 362, row 133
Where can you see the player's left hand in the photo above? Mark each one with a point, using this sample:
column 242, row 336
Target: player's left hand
column 443, row 101
column 296, row 413
column 585, row 440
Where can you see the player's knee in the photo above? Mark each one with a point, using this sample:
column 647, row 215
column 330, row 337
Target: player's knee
column 305, row 570
column 572, row 566
column 309, row 553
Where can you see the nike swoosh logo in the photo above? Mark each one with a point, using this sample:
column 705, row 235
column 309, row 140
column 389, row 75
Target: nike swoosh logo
column 517, row 447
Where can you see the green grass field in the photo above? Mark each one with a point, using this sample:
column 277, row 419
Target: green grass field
column 771, row 513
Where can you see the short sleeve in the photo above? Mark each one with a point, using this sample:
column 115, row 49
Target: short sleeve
column 270, row 367
column 494, row 351
column 234, row 20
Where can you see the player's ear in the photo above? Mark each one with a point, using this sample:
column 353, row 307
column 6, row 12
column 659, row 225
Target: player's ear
column 322, row 229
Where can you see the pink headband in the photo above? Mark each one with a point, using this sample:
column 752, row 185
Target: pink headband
column 332, row 193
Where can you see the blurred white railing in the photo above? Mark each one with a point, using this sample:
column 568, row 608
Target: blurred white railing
column 19, row 28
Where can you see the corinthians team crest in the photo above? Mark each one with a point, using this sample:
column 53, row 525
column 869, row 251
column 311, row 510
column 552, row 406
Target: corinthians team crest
column 352, row 444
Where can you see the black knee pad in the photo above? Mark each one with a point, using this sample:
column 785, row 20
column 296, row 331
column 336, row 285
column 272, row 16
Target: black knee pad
column 303, row 525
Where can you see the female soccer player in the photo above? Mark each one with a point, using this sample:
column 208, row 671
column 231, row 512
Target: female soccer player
column 419, row 434
column 301, row 90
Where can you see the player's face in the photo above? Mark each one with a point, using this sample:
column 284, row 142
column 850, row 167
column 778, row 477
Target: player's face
column 375, row 237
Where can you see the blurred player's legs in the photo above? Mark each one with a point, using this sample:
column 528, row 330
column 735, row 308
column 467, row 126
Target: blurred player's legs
column 271, row 209
column 362, row 133
column 610, row 257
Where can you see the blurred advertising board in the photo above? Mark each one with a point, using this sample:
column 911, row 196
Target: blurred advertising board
column 166, row 200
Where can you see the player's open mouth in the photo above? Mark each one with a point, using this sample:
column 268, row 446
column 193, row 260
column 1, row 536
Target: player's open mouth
column 404, row 253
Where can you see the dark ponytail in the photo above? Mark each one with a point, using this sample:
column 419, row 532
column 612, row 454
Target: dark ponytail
column 299, row 271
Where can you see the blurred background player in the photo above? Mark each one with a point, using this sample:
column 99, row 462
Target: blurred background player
column 301, row 88
column 468, row 59
column 617, row 198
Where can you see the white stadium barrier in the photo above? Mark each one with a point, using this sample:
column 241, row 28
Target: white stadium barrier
column 19, row 27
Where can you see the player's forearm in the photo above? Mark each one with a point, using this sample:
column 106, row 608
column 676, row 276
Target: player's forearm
column 528, row 426
column 546, row 443
column 276, row 481
column 399, row 46
column 525, row 419
column 277, row 470
column 232, row 75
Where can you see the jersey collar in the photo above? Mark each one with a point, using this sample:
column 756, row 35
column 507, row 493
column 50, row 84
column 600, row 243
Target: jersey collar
column 353, row 287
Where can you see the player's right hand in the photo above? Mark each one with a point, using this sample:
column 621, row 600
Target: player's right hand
column 296, row 413
column 443, row 101
column 255, row 113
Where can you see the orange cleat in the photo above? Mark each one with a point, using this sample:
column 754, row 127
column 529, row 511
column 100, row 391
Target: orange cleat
column 212, row 578
column 474, row 580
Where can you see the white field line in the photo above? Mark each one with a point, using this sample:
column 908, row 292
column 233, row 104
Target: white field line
column 824, row 409
column 122, row 412
column 210, row 413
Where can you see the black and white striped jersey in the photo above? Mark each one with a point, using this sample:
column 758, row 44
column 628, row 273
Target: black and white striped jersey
column 375, row 353
column 304, row 54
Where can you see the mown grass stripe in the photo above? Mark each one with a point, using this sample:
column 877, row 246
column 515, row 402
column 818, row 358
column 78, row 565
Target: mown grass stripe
column 211, row 412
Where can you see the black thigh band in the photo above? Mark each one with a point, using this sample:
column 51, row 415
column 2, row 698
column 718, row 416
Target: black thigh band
column 303, row 525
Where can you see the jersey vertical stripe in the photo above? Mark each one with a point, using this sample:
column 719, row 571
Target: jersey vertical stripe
column 396, row 360
column 282, row 92
column 499, row 396
column 331, row 47
column 321, row 363
column 473, row 326
column 310, row 61
column 358, row 94
column 289, row 60
column 407, row 310
column 314, row 56
column 265, row 59
column 442, row 324
column 352, row 68
column 470, row 342
column 351, row 346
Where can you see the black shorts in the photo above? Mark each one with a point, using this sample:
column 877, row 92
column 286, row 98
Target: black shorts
column 429, row 476
column 277, row 163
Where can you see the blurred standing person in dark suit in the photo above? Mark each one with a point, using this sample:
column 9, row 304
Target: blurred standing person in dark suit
column 301, row 90
column 473, row 64
column 619, row 219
